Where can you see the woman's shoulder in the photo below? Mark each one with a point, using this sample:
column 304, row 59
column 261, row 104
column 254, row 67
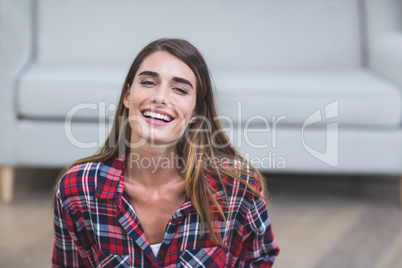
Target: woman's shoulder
column 238, row 178
column 78, row 179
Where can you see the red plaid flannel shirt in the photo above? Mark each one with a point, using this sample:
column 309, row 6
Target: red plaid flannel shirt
column 96, row 226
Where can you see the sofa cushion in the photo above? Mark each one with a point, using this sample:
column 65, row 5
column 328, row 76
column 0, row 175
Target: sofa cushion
column 364, row 98
column 50, row 92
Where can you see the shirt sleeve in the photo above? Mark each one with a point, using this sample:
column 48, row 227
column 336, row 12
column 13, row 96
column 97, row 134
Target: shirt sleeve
column 259, row 248
column 66, row 253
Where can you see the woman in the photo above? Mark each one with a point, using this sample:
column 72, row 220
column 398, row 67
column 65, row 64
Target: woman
column 167, row 188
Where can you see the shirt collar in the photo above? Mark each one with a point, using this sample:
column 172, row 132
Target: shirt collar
column 110, row 182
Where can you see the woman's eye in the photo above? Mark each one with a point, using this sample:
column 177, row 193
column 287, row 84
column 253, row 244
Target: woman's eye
column 147, row 83
column 181, row 90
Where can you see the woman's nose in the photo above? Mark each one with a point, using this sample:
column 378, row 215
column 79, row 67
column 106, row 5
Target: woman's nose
column 161, row 96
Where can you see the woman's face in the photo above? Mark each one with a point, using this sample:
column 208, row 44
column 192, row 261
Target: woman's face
column 161, row 100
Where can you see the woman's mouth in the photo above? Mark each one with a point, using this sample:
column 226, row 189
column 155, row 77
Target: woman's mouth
column 157, row 117
column 162, row 117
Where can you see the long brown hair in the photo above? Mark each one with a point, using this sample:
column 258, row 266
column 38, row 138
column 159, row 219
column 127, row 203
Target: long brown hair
column 208, row 148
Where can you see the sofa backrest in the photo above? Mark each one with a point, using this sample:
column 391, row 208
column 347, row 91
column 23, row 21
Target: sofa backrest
column 269, row 34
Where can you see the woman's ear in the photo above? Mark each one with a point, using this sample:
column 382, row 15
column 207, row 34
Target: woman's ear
column 193, row 117
column 126, row 98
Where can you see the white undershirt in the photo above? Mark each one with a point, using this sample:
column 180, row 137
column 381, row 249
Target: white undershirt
column 155, row 248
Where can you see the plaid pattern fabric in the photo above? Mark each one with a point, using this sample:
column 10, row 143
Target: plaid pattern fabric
column 96, row 226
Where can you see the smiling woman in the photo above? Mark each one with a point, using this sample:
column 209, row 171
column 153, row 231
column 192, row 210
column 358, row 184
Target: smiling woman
column 163, row 95
column 167, row 188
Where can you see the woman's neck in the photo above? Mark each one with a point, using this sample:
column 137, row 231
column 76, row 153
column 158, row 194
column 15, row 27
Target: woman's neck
column 152, row 166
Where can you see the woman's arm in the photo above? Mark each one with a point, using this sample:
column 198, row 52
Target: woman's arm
column 65, row 250
column 259, row 248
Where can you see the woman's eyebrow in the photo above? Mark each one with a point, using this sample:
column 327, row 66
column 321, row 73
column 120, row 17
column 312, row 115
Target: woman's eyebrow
column 182, row 80
column 177, row 79
column 154, row 74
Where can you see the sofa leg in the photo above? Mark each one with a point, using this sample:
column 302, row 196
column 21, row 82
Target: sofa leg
column 6, row 184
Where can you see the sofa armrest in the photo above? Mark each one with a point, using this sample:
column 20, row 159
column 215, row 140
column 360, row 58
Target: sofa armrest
column 15, row 54
column 386, row 56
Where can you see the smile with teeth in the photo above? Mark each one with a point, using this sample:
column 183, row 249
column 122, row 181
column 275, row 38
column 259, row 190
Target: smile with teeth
column 163, row 117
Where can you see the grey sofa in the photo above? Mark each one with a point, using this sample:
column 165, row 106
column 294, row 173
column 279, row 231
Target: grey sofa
column 302, row 86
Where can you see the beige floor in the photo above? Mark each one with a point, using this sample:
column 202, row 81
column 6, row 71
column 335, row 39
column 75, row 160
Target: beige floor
column 319, row 221
column 328, row 221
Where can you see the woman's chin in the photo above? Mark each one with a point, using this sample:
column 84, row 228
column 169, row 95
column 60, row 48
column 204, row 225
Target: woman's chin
column 162, row 142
